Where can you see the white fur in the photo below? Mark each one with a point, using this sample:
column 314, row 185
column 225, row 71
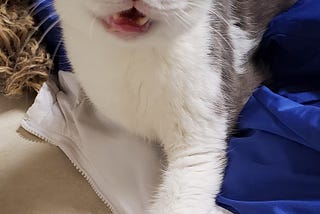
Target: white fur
column 242, row 44
column 160, row 85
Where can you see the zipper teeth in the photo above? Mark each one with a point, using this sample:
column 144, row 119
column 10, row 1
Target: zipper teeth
column 84, row 174
column 47, row 140
column 33, row 140
column 89, row 180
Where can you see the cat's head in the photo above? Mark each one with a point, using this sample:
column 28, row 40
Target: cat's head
column 133, row 20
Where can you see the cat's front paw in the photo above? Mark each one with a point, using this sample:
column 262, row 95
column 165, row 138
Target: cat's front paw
column 179, row 207
column 172, row 210
column 218, row 210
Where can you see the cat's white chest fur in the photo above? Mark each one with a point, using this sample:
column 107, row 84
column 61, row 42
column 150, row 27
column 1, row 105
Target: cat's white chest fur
column 146, row 89
column 169, row 91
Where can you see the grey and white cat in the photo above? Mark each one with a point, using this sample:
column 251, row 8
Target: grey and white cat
column 173, row 71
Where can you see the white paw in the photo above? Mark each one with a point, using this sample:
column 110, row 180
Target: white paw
column 186, row 207
column 185, row 210
column 166, row 210
column 219, row 210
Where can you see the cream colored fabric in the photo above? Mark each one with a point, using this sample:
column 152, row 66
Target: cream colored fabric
column 122, row 168
column 37, row 178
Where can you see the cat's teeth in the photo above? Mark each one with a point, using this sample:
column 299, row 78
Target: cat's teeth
column 116, row 16
column 143, row 20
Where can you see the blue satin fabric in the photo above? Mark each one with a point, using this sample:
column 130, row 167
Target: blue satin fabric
column 274, row 161
column 47, row 19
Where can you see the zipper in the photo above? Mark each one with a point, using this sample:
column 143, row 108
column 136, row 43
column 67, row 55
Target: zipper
column 84, row 174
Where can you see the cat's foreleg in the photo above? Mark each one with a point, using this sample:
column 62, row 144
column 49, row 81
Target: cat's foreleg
column 196, row 161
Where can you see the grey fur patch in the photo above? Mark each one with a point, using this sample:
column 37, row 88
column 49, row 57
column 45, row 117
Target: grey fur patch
column 252, row 17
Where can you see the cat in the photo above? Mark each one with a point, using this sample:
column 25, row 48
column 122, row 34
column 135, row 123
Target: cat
column 172, row 71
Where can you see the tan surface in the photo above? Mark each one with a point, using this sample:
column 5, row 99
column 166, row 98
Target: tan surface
column 36, row 178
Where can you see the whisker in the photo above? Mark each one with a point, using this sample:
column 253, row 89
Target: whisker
column 91, row 27
column 36, row 5
column 54, row 55
column 212, row 11
column 222, row 37
column 35, row 12
column 183, row 21
column 166, row 18
column 219, row 16
column 34, row 31
column 48, row 30
column 94, row 20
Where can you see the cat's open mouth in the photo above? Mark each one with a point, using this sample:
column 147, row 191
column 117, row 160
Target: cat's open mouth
column 128, row 21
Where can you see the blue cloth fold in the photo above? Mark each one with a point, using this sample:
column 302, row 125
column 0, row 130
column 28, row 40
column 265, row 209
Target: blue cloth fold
column 274, row 160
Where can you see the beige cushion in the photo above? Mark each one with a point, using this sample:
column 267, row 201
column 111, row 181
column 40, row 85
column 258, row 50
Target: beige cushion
column 37, row 177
